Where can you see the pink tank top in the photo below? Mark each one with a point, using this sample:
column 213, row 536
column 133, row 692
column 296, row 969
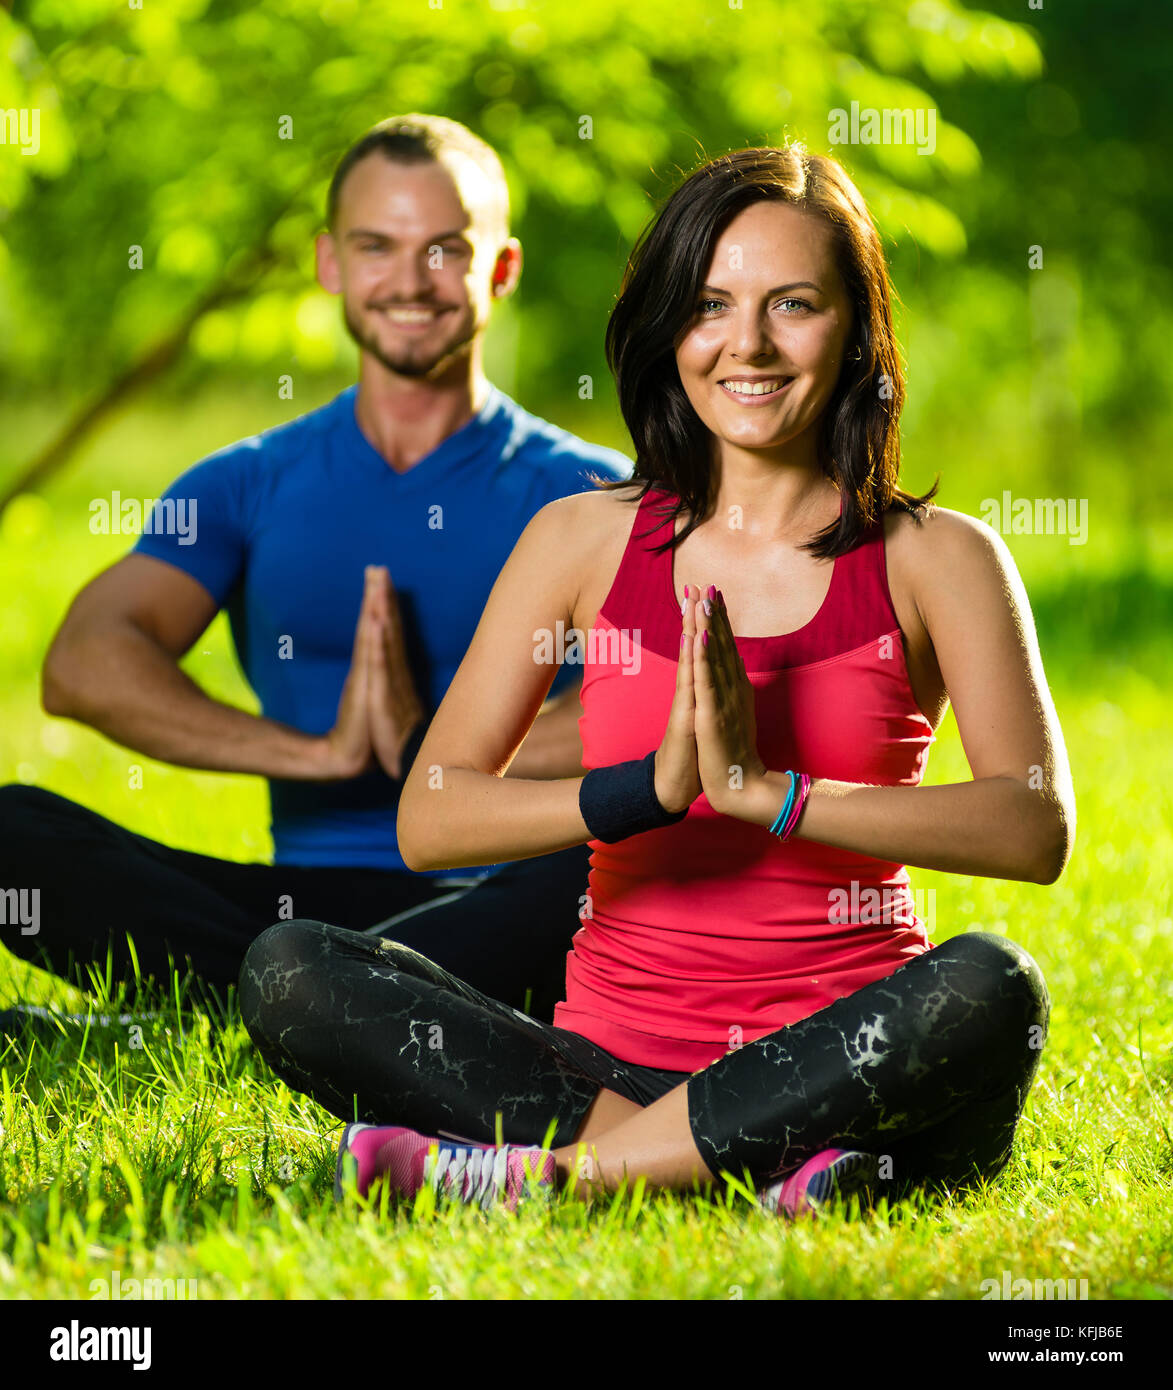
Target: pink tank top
column 710, row 933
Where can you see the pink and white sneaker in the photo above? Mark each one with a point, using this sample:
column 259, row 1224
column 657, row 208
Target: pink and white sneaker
column 830, row 1174
column 461, row 1170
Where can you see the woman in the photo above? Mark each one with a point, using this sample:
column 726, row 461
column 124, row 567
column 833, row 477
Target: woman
column 751, row 992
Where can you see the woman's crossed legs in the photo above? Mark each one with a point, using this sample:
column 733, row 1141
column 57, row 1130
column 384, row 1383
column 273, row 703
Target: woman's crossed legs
column 928, row 1068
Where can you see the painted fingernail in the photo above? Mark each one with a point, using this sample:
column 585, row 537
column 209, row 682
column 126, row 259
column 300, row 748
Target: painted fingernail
column 712, row 591
column 720, row 598
column 684, row 605
column 704, row 639
column 708, row 607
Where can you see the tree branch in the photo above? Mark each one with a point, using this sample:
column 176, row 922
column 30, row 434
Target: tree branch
column 233, row 285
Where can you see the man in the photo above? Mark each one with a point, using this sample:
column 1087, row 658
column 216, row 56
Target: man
column 354, row 549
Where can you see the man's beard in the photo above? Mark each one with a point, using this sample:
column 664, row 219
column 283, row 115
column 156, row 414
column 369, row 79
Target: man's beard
column 409, row 362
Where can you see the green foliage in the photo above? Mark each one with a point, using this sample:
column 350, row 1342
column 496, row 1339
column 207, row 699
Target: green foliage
column 160, row 129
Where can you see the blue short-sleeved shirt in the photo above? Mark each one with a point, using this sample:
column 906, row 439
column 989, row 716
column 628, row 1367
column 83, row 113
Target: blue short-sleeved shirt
column 284, row 525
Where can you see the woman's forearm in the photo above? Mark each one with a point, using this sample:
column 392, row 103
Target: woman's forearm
column 453, row 817
column 994, row 827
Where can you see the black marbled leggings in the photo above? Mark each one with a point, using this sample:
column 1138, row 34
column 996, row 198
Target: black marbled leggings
column 928, row 1068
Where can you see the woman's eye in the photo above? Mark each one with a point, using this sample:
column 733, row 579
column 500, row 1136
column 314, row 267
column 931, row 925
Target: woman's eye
column 706, row 305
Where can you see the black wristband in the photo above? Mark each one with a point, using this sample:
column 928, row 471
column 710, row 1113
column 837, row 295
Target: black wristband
column 620, row 800
column 412, row 747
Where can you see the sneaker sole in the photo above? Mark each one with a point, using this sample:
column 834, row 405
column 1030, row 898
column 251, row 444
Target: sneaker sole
column 343, row 1155
column 853, row 1174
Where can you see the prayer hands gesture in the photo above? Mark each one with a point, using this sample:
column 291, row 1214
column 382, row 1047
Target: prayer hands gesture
column 710, row 744
column 379, row 706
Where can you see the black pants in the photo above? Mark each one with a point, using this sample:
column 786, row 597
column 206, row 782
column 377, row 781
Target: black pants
column 928, row 1068
column 98, row 882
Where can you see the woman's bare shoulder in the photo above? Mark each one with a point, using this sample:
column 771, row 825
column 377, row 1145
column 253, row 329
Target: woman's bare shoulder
column 949, row 564
column 600, row 506
column 589, row 522
column 938, row 539
column 587, row 535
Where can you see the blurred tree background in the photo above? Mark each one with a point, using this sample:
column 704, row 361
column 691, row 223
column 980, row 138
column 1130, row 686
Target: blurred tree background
column 205, row 133
column 163, row 126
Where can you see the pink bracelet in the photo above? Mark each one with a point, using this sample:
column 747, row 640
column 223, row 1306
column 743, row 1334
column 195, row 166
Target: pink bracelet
column 804, row 787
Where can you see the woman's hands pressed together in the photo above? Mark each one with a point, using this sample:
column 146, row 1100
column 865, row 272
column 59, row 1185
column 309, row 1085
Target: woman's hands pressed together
column 710, row 743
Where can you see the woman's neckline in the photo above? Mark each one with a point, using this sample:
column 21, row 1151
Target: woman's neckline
column 752, row 642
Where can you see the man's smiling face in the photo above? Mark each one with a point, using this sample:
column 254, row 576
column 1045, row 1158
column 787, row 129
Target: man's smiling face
column 413, row 255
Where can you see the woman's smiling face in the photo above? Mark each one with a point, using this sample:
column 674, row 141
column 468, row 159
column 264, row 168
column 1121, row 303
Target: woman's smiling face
column 760, row 358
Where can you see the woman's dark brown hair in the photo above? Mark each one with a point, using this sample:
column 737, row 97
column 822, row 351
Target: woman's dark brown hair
column 859, row 437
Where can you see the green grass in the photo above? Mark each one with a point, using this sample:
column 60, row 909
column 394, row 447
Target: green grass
column 183, row 1158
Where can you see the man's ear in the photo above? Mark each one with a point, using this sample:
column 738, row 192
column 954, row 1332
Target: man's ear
column 326, row 256
column 507, row 269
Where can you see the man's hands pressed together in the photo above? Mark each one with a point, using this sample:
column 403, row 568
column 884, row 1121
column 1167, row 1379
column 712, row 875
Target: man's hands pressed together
column 393, row 706
column 379, row 706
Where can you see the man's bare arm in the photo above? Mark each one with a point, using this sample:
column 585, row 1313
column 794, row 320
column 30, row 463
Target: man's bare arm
column 553, row 746
column 114, row 664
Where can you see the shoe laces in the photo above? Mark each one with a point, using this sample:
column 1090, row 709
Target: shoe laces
column 472, row 1175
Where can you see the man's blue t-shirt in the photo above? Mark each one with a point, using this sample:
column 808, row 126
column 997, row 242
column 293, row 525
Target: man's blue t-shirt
column 286, row 522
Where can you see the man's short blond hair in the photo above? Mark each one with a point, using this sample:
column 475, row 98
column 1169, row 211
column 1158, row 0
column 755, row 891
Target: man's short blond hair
column 422, row 139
